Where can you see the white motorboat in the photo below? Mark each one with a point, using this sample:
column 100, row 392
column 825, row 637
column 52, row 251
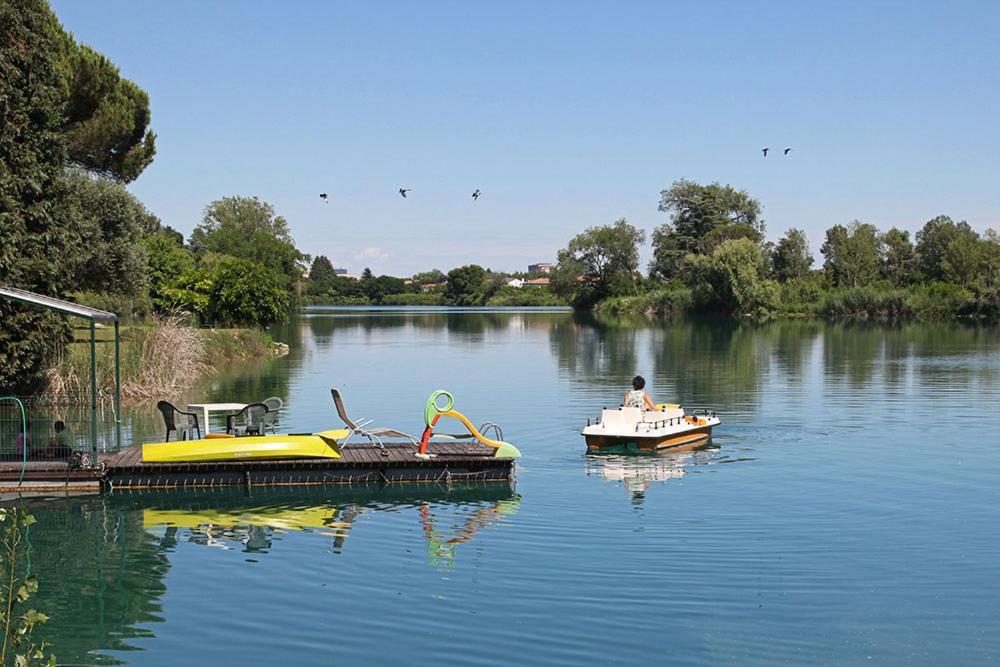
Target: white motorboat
column 634, row 430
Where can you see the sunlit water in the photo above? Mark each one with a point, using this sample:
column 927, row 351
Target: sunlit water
column 847, row 512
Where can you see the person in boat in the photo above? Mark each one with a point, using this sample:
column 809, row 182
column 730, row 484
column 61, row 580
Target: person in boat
column 638, row 398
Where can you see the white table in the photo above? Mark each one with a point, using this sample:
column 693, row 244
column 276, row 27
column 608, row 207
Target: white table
column 205, row 408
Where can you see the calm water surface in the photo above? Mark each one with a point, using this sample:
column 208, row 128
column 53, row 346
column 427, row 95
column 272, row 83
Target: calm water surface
column 848, row 511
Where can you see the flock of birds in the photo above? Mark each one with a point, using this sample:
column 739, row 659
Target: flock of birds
column 475, row 194
column 402, row 193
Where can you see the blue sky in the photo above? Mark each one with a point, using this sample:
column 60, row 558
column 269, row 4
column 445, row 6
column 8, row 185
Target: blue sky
column 565, row 115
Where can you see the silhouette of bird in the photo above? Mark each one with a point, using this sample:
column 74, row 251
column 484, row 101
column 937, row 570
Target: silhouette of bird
column 475, row 195
column 786, row 150
column 403, row 191
column 764, row 151
column 322, row 196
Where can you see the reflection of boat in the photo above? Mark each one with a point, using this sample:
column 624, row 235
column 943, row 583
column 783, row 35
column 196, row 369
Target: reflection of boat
column 633, row 430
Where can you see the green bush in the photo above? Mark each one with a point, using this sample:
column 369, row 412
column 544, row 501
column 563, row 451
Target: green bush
column 413, row 299
column 940, row 301
column 127, row 308
column 801, row 296
column 663, row 302
column 525, row 296
column 864, row 303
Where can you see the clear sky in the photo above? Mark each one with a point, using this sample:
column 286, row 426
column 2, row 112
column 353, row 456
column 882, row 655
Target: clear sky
column 565, row 115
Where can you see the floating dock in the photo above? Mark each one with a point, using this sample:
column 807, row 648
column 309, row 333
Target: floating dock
column 360, row 464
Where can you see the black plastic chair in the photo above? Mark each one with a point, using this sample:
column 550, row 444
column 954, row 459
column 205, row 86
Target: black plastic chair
column 185, row 424
column 251, row 420
column 271, row 416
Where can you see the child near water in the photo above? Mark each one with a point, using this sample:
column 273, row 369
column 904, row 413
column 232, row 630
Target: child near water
column 638, row 398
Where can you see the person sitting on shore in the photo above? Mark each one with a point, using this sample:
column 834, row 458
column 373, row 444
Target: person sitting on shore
column 59, row 443
column 24, row 450
column 638, row 398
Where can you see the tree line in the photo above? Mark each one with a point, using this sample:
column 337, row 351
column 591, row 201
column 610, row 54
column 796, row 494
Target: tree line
column 712, row 256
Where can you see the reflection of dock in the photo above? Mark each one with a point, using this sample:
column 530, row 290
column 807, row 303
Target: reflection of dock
column 360, row 464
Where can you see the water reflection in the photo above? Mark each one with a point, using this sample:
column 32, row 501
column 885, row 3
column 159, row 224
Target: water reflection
column 636, row 473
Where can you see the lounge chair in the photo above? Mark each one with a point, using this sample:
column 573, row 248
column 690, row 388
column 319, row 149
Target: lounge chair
column 251, row 420
column 360, row 427
column 271, row 416
column 185, row 424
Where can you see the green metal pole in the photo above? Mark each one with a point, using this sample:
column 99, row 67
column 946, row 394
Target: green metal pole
column 93, row 393
column 118, row 387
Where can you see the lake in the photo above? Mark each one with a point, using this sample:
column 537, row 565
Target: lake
column 846, row 512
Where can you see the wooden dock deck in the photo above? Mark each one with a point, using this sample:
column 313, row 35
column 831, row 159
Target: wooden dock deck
column 360, row 464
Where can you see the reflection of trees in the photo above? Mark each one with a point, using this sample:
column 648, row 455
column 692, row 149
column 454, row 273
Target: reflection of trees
column 791, row 342
column 100, row 575
column 593, row 352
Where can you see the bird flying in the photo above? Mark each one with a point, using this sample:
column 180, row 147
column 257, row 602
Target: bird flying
column 764, row 151
column 403, row 191
column 787, row 150
column 322, row 196
column 475, row 195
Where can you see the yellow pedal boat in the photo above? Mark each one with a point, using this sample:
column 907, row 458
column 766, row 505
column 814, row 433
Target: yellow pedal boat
column 322, row 445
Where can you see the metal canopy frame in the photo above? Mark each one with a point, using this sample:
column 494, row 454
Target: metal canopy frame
column 93, row 315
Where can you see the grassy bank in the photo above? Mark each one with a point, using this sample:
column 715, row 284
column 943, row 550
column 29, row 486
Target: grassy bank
column 505, row 296
column 158, row 359
column 807, row 298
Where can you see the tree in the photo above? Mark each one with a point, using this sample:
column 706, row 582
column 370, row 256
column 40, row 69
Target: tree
column 464, row 286
column 701, row 218
column 247, row 228
column 852, row 254
column 896, row 262
column 229, row 291
column 733, row 279
column 113, row 221
column 932, row 243
column 32, row 154
column 791, row 257
column 600, row 262
column 167, row 260
column 321, row 275
column 106, row 116
column 432, row 277
column 966, row 260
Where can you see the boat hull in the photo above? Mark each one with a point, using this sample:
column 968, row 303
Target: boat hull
column 615, row 444
column 266, row 447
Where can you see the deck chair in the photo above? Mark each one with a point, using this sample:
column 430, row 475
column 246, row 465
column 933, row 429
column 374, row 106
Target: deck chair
column 184, row 424
column 251, row 420
column 271, row 416
column 360, row 427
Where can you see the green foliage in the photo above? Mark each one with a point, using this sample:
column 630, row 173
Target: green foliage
column 414, row 299
column 247, row 228
column 432, row 277
column 465, row 285
column 702, row 217
column 106, row 117
column 801, row 296
column 932, row 244
column 525, row 296
column 167, row 260
column 230, row 292
column 967, row 260
column 940, row 301
column 321, row 275
column 17, row 620
column 672, row 301
column 112, row 221
column 733, row 279
column 864, row 303
column 33, row 248
column 791, row 258
column 128, row 308
column 852, row 254
column 599, row 263
column 897, row 259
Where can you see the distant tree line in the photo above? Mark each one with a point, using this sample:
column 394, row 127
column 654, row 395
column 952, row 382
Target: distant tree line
column 469, row 285
column 711, row 256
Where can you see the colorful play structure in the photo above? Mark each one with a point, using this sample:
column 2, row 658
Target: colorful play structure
column 433, row 412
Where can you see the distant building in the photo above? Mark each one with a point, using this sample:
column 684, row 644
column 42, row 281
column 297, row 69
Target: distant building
column 515, row 282
column 340, row 272
column 541, row 267
column 537, row 282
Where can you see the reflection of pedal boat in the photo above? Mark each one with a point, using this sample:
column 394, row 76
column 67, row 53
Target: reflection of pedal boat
column 228, row 448
column 625, row 430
